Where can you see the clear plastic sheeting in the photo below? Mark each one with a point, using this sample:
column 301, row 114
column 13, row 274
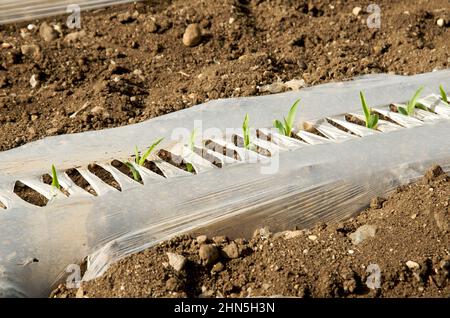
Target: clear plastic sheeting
column 318, row 178
column 25, row 10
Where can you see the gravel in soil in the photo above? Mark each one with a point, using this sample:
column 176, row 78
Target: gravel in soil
column 405, row 238
column 134, row 62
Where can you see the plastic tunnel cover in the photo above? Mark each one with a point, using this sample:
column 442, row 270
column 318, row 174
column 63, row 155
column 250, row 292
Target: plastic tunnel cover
column 325, row 180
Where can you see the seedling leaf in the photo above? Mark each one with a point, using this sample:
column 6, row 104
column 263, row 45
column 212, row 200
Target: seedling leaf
column 371, row 119
column 443, row 94
column 189, row 166
column 277, row 124
column 412, row 103
column 55, row 182
column 141, row 160
column 136, row 175
column 286, row 127
column 246, row 132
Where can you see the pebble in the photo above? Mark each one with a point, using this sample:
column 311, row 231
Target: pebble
column 312, row 237
column 292, row 234
column 6, row 45
column 218, row 267
column 176, row 261
column 362, row 233
column 231, row 250
column 192, row 35
column 34, row 81
column 30, row 50
column 351, row 252
column 208, row 253
column 80, row 293
column 377, row 203
column 440, row 22
column 356, row 11
column 201, row 239
column 75, row 36
column 412, row 265
column 47, row 32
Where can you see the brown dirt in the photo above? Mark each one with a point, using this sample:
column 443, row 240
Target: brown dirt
column 130, row 67
column 410, row 246
column 104, row 175
column 29, row 195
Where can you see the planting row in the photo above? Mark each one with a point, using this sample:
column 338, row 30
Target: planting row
column 245, row 146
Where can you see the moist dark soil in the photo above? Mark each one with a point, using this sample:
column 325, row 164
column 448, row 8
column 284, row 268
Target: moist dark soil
column 78, row 179
column 123, row 168
column 175, row 160
column 406, row 241
column 29, row 195
column 104, row 175
column 128, row 63
column 48, row 179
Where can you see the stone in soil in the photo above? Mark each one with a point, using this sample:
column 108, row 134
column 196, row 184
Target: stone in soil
column 208, row 253
column 192, row 35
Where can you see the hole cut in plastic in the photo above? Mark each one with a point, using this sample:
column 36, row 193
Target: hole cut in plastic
column 104, row 175
column 176, row 161
column 150, row 165
column 211, row 145
column 2, row 206
column 81, row 182
column 308, row 127
column 239, row 142
column 208, row 156
column 333, row 123
column 48, row 179
column 29, row 195
column 123, row 168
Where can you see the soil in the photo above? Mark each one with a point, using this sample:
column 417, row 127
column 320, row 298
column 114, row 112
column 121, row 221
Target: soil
column 175, row 160
column 408, row 242
column 104, row 175
column 78, row 179
column 48, row 179
column 128, row 63
column 29, row 195
column 122, row 167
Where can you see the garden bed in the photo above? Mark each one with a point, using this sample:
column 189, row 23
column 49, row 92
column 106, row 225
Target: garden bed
column 408, row 244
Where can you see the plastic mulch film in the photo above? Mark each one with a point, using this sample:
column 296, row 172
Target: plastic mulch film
column 24, row 10
column 327, row 173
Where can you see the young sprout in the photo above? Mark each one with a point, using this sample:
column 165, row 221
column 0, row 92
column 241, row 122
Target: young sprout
column 141, row 160
column 371, row 119
column 412, row 104
column 443, row 95
column 246, row 132
column 286, row 127
column 189, row 166
column 55, row 182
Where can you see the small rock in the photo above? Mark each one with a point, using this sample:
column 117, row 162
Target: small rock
column 412, row 265
column 208, row 253
column 218, row 267
column 51, row 131
column 30, row 50
column 97, row 110
column 362, row 233
column 377, row 203
column 34, row 81
column 34, row 117
column 263, row 232
column 192, row 35
column 6, row 45
column 312, row 237
column 47, row 32
column 201, row 239
column 220, row 239
column 292, row 234
column 176, row 261
column 231, row 250
column 173, row 284
column 80, row 293
column 433, row 173
column 75, row 36
column 356, row 11
column 440, row 22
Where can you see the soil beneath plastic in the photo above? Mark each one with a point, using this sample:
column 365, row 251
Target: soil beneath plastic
column 128, row 63
column 402, row 250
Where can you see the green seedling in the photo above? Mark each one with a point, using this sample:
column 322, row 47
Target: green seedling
column 140, row 160
column 443, row 95
column 371, row 119
column 286, row 127
column 189, row 166
column 412, row 104
column 246, row 132
column 55, row 182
